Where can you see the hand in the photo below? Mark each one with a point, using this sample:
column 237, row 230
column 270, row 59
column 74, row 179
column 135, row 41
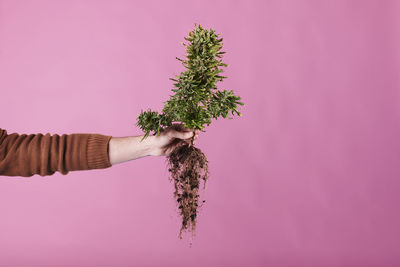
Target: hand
column 170, row 138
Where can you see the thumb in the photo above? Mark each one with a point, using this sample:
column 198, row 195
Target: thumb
column 182, row 135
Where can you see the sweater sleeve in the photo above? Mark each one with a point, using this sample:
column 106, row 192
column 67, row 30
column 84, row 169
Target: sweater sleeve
column 27, row 155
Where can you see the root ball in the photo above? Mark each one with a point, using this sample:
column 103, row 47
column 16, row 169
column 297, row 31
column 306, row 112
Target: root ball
column 188, row 166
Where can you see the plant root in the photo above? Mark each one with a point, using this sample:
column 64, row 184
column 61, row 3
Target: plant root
column 188, row 166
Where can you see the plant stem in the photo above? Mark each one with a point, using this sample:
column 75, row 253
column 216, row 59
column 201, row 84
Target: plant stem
column 192, row 139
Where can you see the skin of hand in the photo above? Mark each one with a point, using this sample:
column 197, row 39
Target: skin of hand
column 122, row 149
column 172, row 137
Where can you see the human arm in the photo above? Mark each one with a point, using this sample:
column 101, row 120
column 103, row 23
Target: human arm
column 27, row 155
column 122, row 149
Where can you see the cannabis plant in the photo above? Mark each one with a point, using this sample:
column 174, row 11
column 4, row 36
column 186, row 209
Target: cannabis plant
column 195, row 102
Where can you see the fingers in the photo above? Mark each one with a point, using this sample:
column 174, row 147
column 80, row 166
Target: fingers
column 181, row 135
column 167, row 149
column 178, row 131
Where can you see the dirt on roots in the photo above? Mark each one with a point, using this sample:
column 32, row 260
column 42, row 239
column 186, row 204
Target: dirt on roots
column 188, row 166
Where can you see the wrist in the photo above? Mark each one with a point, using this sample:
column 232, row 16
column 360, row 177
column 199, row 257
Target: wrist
column 123, row 149
column 149, row 145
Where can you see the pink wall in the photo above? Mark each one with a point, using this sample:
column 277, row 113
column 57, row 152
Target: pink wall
column 309, row 176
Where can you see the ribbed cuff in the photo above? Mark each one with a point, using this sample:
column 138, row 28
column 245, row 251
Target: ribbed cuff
column 97, row 151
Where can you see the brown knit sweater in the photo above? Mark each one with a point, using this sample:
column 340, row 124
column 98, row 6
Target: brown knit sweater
column 27, row 155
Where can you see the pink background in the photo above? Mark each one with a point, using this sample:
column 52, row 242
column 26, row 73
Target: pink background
column 309, row 176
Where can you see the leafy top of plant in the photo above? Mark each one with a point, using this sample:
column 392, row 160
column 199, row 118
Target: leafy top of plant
column 196, row 99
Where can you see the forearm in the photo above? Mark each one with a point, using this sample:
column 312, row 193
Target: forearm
column 123, row 149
